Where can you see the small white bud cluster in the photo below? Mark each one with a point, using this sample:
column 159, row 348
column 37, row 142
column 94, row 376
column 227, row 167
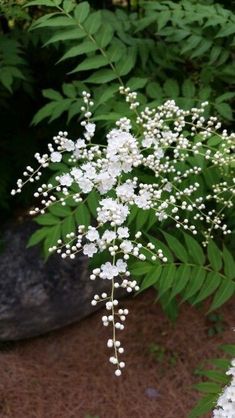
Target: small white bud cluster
column 130, row 97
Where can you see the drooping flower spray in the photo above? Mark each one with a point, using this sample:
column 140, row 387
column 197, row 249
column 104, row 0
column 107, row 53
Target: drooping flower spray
column 165, row 144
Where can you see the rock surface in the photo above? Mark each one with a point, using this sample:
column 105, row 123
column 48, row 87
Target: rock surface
column 38, row 296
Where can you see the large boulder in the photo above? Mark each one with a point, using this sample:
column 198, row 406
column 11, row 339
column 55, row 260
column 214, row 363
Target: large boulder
column 38, row 296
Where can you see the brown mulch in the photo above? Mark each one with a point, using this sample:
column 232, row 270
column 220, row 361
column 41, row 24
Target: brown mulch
column 66, row 374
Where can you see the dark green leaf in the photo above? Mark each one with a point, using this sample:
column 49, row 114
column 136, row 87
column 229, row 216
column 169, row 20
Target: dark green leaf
column 214, row 256
column 91, row 63
column 58, row 210
column 171, row 88
column 208, row 387
column 182, row 277
column 224, row 292
column 84, row 48
column 82, row 11
column 197, row 278
column 138, row 268
column 101, row 76
column 211, row 283
column 92, row 202
column 68, row 226
column 82, row 215
column 194, row 249
column 93, row 23
column 229, row 263
column 53, row 236
column 37, row 236
column 204, row 405
column 176, row 246
column 168, row 276
column 47, row 219
column 152, row 277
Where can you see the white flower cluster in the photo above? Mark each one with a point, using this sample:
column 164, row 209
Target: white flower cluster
column 155, row 170
column 226, row 402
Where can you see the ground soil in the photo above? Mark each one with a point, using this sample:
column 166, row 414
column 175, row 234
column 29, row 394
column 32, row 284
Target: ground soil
column 66, row 374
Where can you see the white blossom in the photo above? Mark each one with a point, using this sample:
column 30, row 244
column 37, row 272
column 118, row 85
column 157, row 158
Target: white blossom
column 109, row 236
column 85, row 184
column 89, row 249
column 76, row 173
column 112, row 211
column 69, row 145
column 126, row 246
column 108, row 271
column 121, row 266
column 123, row 232
column 92, row 234
column 90, row 128
column 126, row 191
column 56, row 157
column 66, row 180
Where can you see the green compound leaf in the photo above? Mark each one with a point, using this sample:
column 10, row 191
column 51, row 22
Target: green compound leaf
column 208, row 387
column 54, row 234
column 104, row 36
column 194, row 249
column 152, row 277
column 68, row 226
column 47, row 219
column 139, row 268
column 82, row 11
column 205, row 405
column 210, row 284
column 214, row 256
column 176, row 246
column 167, row 278
column 82, row 215
column 37, row 236
column 197, row 278
column 93, row 202
column 224, row 292
column 229, row 263
column 91, row 63
column 74, row 51
column 93, row 23
column 102, row 76
column 181, row 280
column 58, row 210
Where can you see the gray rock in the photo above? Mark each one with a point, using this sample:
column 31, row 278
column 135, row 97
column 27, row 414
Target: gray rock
column 38, row 296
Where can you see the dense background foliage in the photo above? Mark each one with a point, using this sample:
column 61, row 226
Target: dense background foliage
column 51, row 50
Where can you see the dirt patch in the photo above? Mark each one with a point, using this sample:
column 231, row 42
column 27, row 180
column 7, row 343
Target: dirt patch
column 66, row 374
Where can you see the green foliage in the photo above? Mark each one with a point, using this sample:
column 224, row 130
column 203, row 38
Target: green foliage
column 166, row 45
column 213, row 386
column 188, row 272
column 11, row 62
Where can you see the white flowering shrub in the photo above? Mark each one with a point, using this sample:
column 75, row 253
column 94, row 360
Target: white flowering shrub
column 146, row 173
